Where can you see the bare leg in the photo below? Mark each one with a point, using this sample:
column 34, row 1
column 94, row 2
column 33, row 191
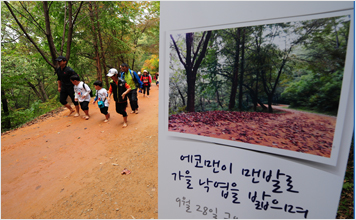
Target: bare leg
column 70, row 109
column 77, row 108
column 77, row 111
column 86, row 117
column 107, row 116
column 125, row 122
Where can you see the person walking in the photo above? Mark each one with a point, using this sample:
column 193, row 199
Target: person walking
column 120, row 89
column 134, row 82
column 146, row 80
column 101, row 96
column 65, row 86
column 82, row 94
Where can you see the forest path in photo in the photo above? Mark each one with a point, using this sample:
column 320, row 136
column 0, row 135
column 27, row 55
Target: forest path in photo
column 288, row 129
column 68, row 167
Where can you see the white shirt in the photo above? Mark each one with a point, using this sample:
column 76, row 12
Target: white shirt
column 82, row 94
column 102, row 95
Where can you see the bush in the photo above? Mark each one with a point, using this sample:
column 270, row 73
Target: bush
column 315, row 92
column 22, row 116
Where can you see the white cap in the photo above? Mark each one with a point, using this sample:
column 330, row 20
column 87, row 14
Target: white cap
column 112, row 72
column 139, row 73
column 145, row 71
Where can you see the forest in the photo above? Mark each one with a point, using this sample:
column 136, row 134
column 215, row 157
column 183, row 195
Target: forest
column 93, row 36
column 252, row 68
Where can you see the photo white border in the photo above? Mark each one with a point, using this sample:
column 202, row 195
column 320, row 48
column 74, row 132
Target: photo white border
column 347, row 84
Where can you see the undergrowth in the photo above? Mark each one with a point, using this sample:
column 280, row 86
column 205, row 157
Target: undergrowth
column 22, row 116
column 346, row 204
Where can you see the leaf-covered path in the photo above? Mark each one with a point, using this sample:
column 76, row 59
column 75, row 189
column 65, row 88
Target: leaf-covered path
column 66, row 167
column 291, row 130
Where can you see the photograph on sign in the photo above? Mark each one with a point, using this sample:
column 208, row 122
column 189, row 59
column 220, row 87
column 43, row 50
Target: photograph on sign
column 272, row 87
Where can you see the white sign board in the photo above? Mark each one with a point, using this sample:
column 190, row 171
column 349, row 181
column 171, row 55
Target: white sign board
column 209, row 177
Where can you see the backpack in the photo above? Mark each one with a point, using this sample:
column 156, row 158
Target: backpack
column 91, row 92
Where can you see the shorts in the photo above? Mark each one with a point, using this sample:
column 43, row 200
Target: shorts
column 65, row 92
column 104, row 110
column 84, row 105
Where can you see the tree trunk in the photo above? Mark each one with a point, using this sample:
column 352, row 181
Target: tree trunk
column 43, row 91
column 191, row 77
column 242, row 69
column 258, row 45
column 33, row 87
column 101, row 47
column 48, row 33
column 255, row 99
column 133, row 61
column 256, row 90
column 192, row 64
column 70, row 30
column 270, row 100
column 64, row 28
column 7, row 121
column 28, row 36
column 218, row 98
column 95, row 40
column 336, row 35
column 236, row 71
column 270, row 93
column 182, row 97
column 201, row 103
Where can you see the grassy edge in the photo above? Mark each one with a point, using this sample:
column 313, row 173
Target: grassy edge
column 346, row 203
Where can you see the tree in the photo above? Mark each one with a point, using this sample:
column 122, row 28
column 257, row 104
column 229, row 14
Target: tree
column 152, row 64
column 235, row 71
column 320, row 61
column 34, row 34
column 95, row 40
column 47, row 32
column 193, row 59
column 101, row 44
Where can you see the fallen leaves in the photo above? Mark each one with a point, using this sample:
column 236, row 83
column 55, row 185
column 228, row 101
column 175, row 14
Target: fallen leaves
column 297, row 132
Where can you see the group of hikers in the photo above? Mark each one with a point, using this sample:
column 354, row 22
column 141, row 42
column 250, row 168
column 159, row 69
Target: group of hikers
column 124, row 85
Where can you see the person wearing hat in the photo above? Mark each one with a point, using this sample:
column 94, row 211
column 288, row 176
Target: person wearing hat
column 146, row 80
column 134, row 81
column 119, row 89
column 65, row 86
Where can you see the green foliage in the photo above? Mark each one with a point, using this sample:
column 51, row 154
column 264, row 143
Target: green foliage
column 178, row 111
column 129, row 31
column 315, row 92
column 21, row 116
column 346, row 204
column 322, row 65
column 151, row 65
column 300, row 63
column 348, row 186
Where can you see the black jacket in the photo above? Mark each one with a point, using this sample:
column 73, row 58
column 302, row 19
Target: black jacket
column 64, row 75
column 118, row 89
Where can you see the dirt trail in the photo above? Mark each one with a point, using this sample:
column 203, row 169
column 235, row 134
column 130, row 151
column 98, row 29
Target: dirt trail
column 67, row 167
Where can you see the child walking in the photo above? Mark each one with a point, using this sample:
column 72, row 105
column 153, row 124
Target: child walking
column 82, row 94
column 119, row 89
column 102, row 97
